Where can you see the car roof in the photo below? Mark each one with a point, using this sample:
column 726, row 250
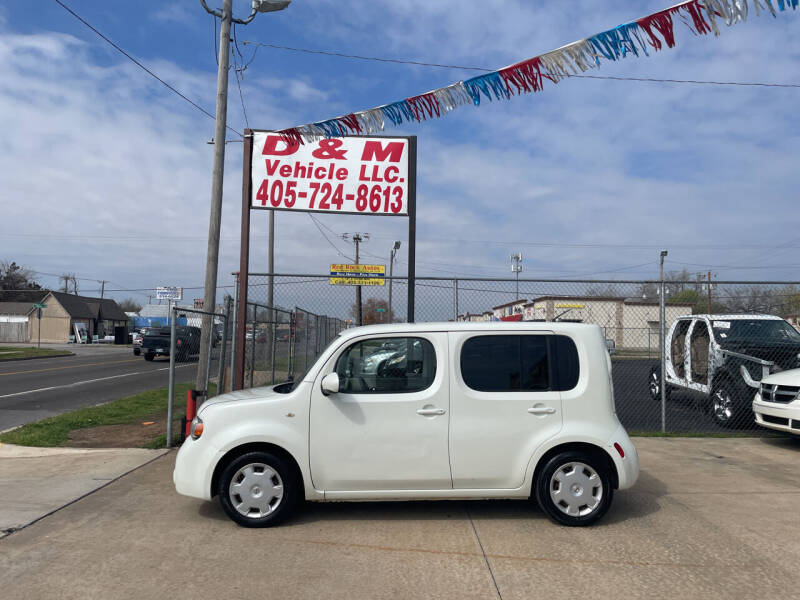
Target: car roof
column 494, row 326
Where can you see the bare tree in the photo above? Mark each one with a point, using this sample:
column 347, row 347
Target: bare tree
column 130, row 305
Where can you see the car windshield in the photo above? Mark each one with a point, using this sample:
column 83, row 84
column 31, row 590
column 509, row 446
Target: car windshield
column 755, row 330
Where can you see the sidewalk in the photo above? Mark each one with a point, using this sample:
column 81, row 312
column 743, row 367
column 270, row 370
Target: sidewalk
column 34, row 482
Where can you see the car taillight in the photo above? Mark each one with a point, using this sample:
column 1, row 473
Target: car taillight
column 178, row 343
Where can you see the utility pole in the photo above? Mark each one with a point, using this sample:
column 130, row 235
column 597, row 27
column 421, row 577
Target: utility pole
column 215, row 221
column 709, row 292
column 662, row 334
column 102, row 288
column 394, row 250
column 516, row 267
column 357, row 239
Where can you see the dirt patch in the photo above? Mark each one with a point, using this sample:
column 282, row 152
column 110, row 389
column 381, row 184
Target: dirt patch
column 129, row 435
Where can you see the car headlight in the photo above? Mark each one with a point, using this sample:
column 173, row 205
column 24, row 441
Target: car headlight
column 197, row 427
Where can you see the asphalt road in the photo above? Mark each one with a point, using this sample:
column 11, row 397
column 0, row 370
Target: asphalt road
column 31, row 390
column 639, row 413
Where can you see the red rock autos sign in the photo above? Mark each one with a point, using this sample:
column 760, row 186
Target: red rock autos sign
column 353, row 175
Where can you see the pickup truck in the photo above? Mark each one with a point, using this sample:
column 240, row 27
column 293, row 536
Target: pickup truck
column 723, row 358
column 156, row 342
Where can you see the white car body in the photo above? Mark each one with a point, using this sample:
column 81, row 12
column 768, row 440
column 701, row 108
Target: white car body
column 377, row 446
column 777, row 403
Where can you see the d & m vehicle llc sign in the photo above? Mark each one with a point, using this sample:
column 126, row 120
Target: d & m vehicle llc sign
column 356, row 175
column 344, row 274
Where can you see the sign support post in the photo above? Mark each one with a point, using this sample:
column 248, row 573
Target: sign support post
column 244, row 262
column 412, row 224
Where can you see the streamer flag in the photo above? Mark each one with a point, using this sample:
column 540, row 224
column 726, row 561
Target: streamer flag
column 636, row 38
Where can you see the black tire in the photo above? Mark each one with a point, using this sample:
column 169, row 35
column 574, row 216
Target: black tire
column 137, row 351
column 729, row 405
column 654, row 384
column 266, row 510
column 149, row 356
column 587, row 480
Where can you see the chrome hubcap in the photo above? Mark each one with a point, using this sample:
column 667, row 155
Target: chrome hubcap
column 655, row 389
column 576, row 489
column 723, row 405
column 256, row 490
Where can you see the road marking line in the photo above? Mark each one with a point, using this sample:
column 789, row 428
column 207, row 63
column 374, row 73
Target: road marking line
column 118, row 362
column 66, row 385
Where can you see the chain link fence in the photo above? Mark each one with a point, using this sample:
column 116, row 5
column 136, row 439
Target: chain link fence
column 183, row 350
column 721, row 338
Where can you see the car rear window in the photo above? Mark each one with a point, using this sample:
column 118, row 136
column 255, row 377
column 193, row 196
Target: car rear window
column 519, row 363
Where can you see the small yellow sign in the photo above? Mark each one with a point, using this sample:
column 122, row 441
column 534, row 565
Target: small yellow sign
column 344, row 274
column 564, row 305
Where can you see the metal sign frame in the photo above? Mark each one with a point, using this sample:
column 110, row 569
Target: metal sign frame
column 244, row 253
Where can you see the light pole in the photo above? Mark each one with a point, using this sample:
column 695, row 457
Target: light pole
column 215, row 221
column 516, row 267
column 394, row 250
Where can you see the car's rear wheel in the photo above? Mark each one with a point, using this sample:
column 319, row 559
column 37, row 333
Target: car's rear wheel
column 258, row 489
column 574, row 488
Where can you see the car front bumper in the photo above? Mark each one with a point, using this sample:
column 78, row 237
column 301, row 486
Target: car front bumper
column 777, row 416
column 194, row 468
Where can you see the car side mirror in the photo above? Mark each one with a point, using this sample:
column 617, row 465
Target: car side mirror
column 330, row 384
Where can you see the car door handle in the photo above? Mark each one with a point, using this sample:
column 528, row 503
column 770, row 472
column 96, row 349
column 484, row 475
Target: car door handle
column 542, row 410
column 431, row 412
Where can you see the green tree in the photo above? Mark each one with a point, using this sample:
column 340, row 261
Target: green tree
column 130, row 305
column 17, row 284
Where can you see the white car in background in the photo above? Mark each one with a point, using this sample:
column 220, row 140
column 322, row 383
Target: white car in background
column 777, row 403
column 422, row 411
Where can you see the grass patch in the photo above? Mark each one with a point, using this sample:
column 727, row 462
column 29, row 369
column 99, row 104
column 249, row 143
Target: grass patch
column 54, row 431
column 14, row 352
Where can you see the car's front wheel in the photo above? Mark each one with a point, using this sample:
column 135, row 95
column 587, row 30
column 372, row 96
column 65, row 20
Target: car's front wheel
column 574, row 488
column 149, row 356
column 258, row 489
column 728, row 408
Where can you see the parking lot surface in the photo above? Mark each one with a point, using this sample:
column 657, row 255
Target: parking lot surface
column 709, row 518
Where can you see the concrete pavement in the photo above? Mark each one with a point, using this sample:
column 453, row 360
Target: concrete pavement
column 36, row 481
column 709, row 518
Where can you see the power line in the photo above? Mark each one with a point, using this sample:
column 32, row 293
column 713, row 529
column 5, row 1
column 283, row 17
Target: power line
column 238, row 73
column 485, row 70
column 140, row 65
column 339, row 252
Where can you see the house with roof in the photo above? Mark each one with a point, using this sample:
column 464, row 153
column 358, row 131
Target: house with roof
column 68, row 317
column 510, row 311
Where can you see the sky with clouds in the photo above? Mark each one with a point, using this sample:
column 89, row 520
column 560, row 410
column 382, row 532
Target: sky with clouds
column 107, row 174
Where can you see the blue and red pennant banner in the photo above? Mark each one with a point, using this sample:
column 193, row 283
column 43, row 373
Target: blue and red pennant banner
column 640, row 37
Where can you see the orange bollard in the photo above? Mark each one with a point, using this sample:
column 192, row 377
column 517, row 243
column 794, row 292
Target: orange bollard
column 191, row 410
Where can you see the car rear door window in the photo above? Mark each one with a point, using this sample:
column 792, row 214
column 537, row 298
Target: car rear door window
column 519, row 363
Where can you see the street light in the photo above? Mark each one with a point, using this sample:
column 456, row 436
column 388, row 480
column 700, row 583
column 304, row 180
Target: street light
column 395, row 248
column 215, row 221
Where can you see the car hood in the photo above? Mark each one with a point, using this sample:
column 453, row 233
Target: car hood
column 260, row 393
column 790, row 377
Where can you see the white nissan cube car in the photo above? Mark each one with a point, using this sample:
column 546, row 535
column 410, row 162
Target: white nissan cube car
column 422, row 411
